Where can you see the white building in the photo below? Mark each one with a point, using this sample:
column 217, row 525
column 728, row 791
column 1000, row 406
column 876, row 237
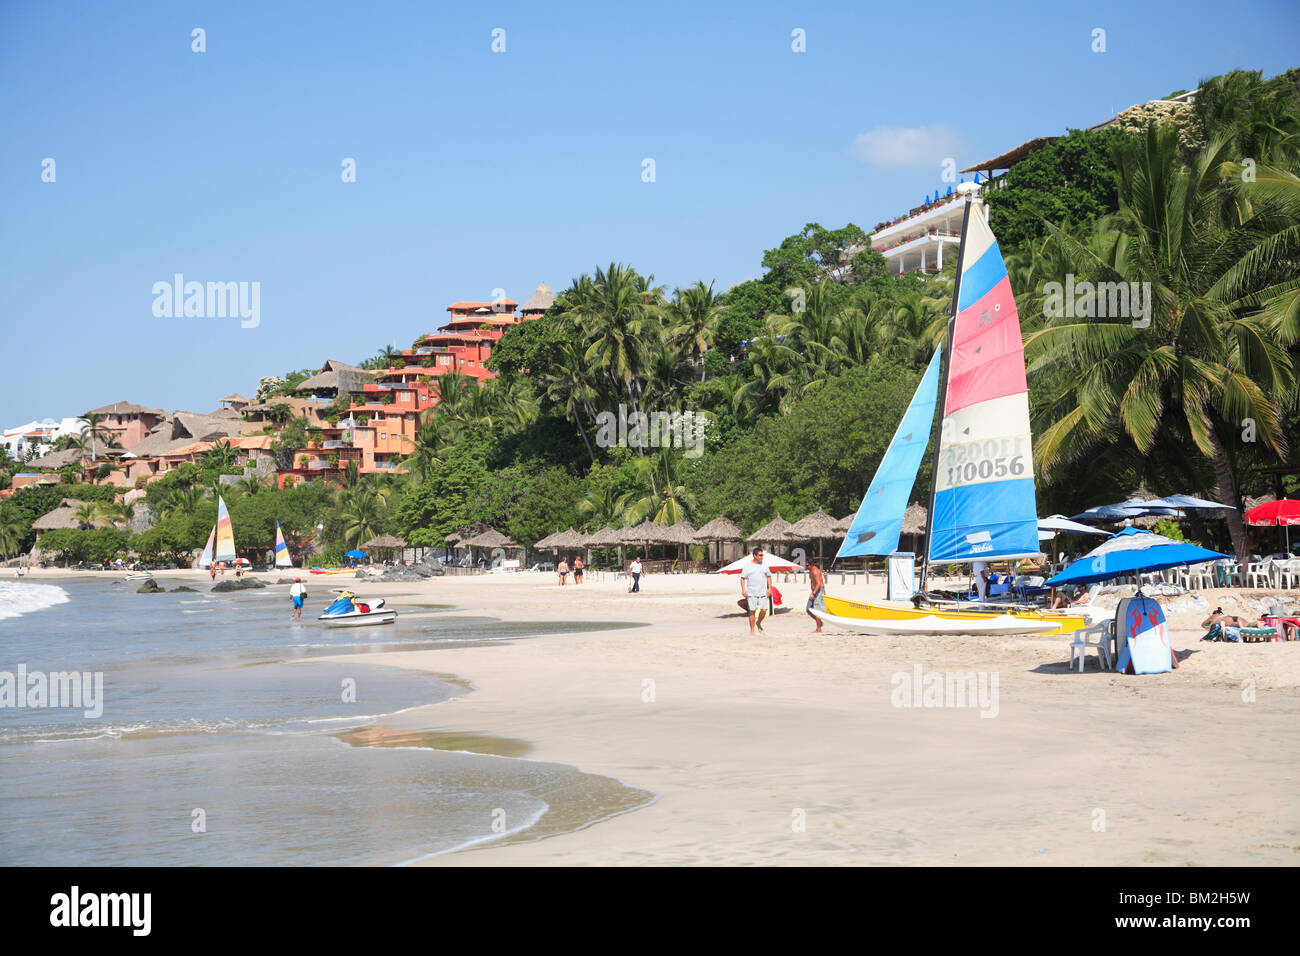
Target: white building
column 37, row 438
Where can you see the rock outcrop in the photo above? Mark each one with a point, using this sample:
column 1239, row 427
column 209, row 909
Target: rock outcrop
column 244, row 584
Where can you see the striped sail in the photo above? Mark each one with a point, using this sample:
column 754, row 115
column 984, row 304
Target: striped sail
column 225, row 536
column 205, row 561
column 282, row 557
column 984, row 505
column 879, row 521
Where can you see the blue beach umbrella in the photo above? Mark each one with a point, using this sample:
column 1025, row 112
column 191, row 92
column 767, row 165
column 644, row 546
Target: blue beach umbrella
column 354, row 554
column 1130, row 551
column 1107, row 513
column 1186, row 503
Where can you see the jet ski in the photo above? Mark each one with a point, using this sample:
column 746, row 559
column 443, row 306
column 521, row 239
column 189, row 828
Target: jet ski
column 351, row 611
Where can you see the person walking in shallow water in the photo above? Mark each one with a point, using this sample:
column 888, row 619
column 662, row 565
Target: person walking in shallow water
column 297, row 594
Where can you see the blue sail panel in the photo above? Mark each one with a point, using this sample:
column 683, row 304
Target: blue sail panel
column 879, row 521
column 995, row 519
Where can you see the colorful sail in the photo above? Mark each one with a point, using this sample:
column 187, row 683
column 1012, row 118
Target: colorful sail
column 225, row 536
column 984, row 505
column 282, row 557
column 205, row 561
column 879, row 521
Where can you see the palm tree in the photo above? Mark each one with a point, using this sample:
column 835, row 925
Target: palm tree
column 664, row 498
column 616, row 310
column 693, row 315
column 86, row 514
column 221, row 455
column 12, row 528
column 1210, row 357
column 568, row 386
column 360, row 515
column 183, row 500
column 97, row 431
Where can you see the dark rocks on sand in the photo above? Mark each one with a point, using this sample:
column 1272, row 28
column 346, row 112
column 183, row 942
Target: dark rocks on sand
column 182, row 588
column 149, row 587
column 245, row 584
column 419, row 571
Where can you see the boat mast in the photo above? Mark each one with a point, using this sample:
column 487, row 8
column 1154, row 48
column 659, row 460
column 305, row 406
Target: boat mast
column 937, row 427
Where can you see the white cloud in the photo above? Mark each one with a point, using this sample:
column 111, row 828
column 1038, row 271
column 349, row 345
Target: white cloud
column 916, row 147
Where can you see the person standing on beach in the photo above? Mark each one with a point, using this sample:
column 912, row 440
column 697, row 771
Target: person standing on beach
column 817, row 597
column 756, row 586
column 577, row 570
column 297, row 594
column 980, row 571
column 634, row 569
column 213, row 569
column 563, row 570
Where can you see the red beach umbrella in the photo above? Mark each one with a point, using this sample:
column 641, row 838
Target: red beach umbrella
column 1284, row 512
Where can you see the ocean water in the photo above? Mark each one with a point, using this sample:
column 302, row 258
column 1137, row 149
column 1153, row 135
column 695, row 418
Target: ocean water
column 218, row 740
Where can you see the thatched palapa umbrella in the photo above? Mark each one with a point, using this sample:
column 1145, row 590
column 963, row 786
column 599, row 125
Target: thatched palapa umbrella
column 817, row 526
column 717, row 531
column 384, row 542
column 775, row 531
column 491, row 538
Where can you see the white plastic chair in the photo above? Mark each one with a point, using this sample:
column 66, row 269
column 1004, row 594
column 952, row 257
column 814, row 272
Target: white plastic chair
column 1083, row 640
column 1257, row 574
column 1284, row 574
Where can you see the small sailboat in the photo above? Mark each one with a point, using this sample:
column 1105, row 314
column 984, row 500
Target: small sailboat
column 982, row 505
column 282, row 557
column 205, row 560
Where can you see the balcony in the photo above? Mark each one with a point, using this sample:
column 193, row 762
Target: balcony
column 317, row 465
column 385, row 466
column 335, row 444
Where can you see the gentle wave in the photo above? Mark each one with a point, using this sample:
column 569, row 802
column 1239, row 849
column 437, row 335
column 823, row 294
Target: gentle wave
column 17, row 599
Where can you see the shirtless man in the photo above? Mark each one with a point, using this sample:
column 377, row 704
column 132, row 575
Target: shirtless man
column 817, row 595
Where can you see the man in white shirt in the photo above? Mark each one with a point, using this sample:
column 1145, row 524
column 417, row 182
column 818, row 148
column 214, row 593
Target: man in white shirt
column 297, row 594
column 980, row 571
column 756, row 586
column 634, row 569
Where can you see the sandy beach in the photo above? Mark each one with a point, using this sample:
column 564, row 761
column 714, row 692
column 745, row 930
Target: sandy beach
column 787, row 748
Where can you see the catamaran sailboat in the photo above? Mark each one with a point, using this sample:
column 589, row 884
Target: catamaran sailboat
column 283, row 559
column 982, row 505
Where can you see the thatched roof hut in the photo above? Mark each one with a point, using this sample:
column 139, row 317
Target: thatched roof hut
column 842, row 525
column 606, row 537
column 385, row 541
column 548, row 543
column 814, row 527
column 914, row 519
column 336, row 377
column 647, row 532
column 541, row 300
column 491, row 538
column 683, row 532
column 720, row 528
column 778, row 529
column 62, row 517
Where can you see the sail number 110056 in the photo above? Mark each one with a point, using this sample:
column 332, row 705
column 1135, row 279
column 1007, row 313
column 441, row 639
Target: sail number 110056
column 984, row 461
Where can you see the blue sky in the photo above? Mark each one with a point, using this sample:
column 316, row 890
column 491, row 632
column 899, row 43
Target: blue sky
column 479, row 170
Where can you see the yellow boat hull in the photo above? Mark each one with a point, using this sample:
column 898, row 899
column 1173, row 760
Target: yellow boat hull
column 895, row 618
